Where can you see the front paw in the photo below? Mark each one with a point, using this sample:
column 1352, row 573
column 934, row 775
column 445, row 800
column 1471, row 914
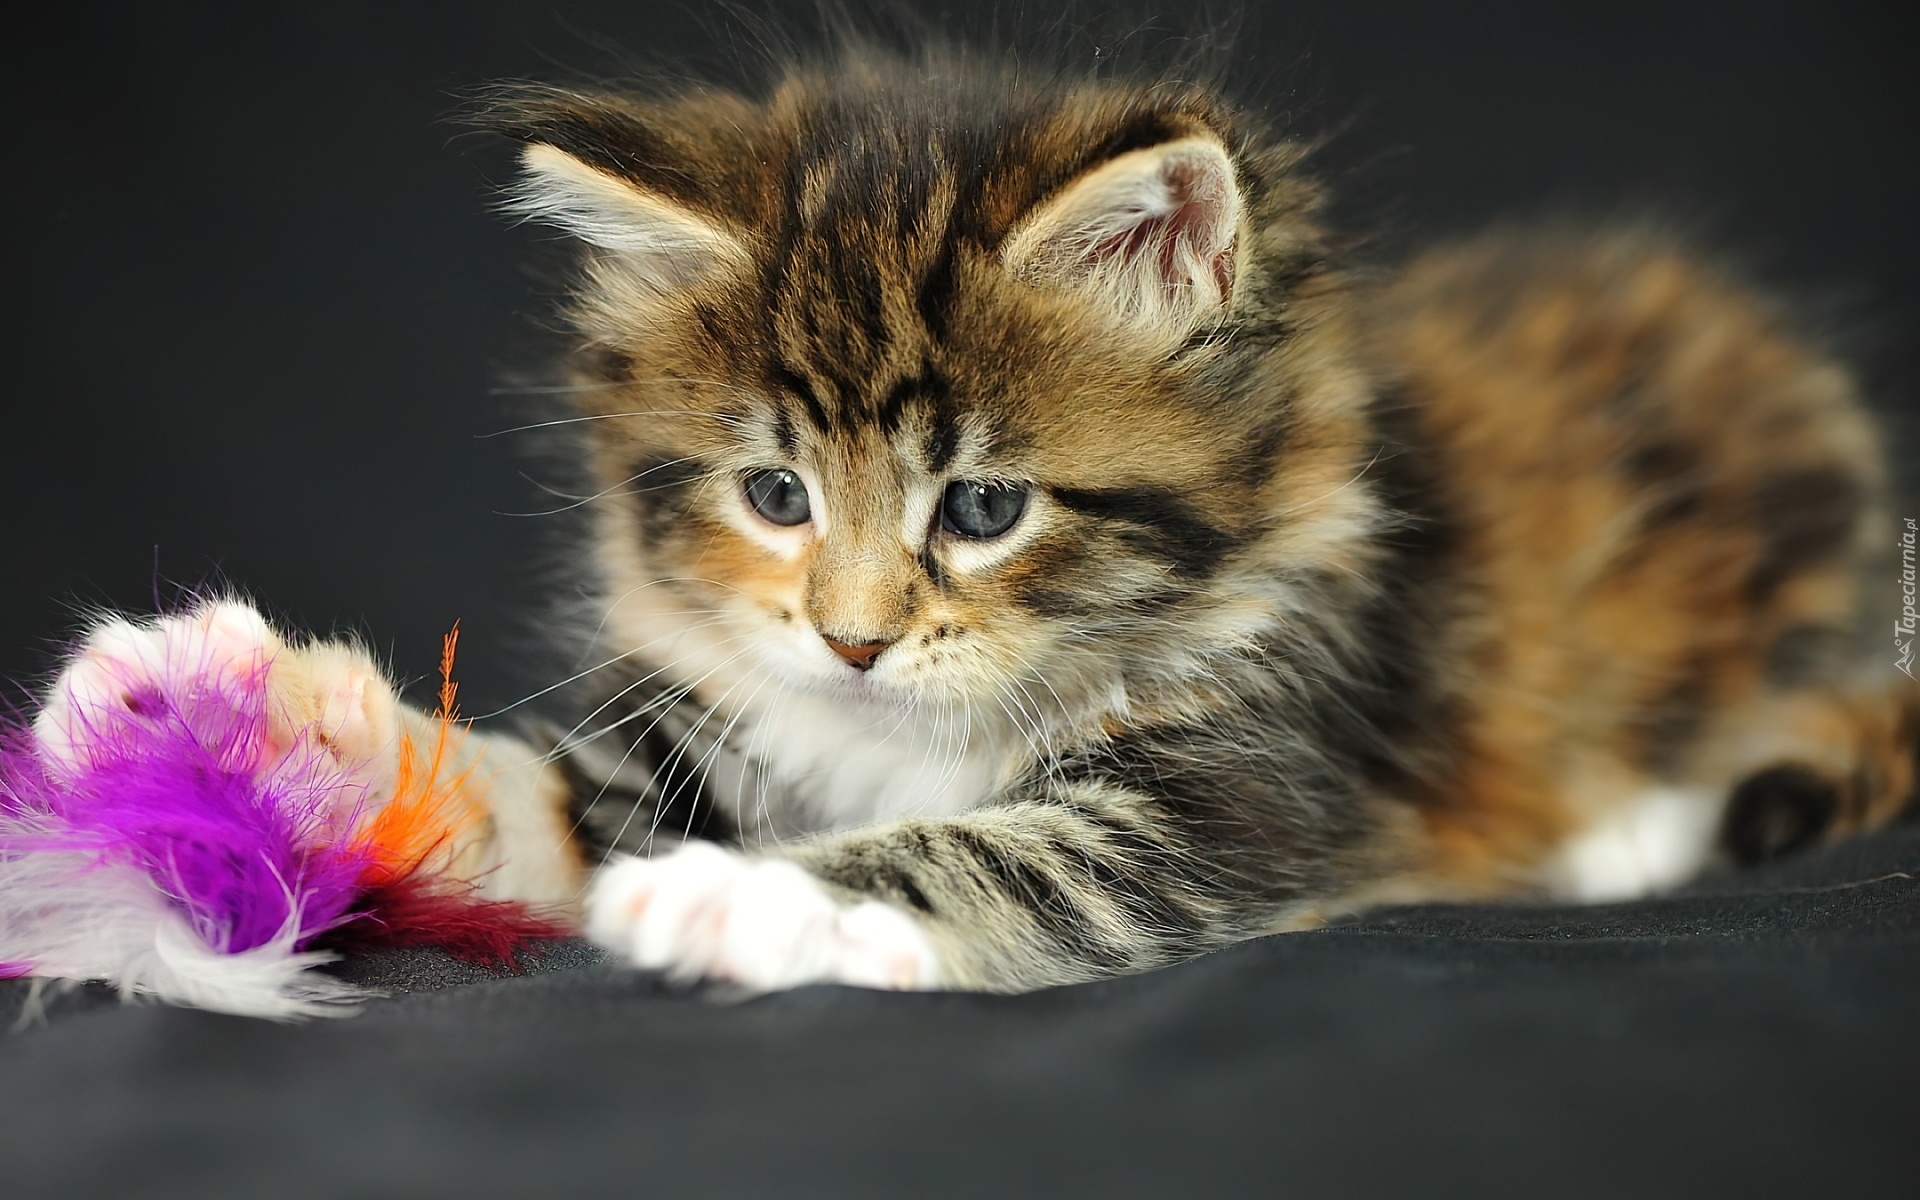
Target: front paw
column 703, row 911
column 213, row 669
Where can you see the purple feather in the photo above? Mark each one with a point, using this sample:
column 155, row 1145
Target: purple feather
column 13, row 970
column 180, row 782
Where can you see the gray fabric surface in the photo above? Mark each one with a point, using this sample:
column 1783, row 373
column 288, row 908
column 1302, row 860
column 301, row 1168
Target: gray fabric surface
column 1754, row 1036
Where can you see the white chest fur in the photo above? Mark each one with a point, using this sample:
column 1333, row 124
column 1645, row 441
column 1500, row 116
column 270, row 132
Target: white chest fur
column 806, row 764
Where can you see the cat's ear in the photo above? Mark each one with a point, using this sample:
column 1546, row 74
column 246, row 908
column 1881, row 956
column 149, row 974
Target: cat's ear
column 662, row 245
column 1151, row 235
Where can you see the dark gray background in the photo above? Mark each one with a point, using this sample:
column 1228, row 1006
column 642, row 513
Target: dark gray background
column 256, row 306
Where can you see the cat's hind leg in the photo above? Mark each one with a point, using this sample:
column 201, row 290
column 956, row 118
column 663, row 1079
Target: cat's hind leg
column 1820, row 766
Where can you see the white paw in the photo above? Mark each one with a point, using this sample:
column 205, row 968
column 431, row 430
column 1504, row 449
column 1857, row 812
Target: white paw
column 124, row 668
column 335, row 695
column 323, row 694
column 703, row 911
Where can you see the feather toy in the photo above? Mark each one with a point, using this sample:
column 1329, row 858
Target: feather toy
column 155, row 837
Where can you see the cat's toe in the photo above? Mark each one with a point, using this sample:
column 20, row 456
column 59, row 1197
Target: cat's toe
column 327, row 693
column 112, row 673
column 704, row 911
column 128, row 670
column 333, row 693
column 223, row 636
column 882, row 947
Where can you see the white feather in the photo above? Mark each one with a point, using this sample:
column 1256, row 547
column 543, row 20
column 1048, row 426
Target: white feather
column 74, row 918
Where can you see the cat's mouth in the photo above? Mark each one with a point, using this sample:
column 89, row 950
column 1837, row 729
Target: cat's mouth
column 883, row 679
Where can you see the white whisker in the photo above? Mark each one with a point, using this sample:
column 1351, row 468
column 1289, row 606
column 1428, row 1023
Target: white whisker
column 657, row 412
column 577, row 676
column 665, row 767
column 610, row 489
column 635, row 744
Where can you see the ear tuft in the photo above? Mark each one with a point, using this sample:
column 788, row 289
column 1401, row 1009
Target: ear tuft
column 1150, row 235
column 665, row 246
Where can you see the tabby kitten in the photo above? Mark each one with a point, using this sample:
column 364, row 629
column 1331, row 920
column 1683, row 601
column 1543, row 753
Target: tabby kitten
column 1024, row 554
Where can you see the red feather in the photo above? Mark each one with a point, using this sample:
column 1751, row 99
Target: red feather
column 418, row 910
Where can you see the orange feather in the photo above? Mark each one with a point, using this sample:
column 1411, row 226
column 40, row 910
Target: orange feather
column 427, row 812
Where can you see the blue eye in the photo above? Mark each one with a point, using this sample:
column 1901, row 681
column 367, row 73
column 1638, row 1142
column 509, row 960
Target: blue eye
column 981, row 510
column 779, row 496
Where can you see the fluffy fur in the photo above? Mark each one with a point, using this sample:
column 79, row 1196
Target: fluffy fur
column 1533, row 570
column 1022, row 552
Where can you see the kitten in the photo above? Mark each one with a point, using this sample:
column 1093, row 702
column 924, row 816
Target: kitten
column 1024, row 554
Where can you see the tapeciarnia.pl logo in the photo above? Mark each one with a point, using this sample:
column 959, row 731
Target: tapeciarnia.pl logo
column 1903, row 629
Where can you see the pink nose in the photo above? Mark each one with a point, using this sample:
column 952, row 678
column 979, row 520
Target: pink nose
column 861, row 655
